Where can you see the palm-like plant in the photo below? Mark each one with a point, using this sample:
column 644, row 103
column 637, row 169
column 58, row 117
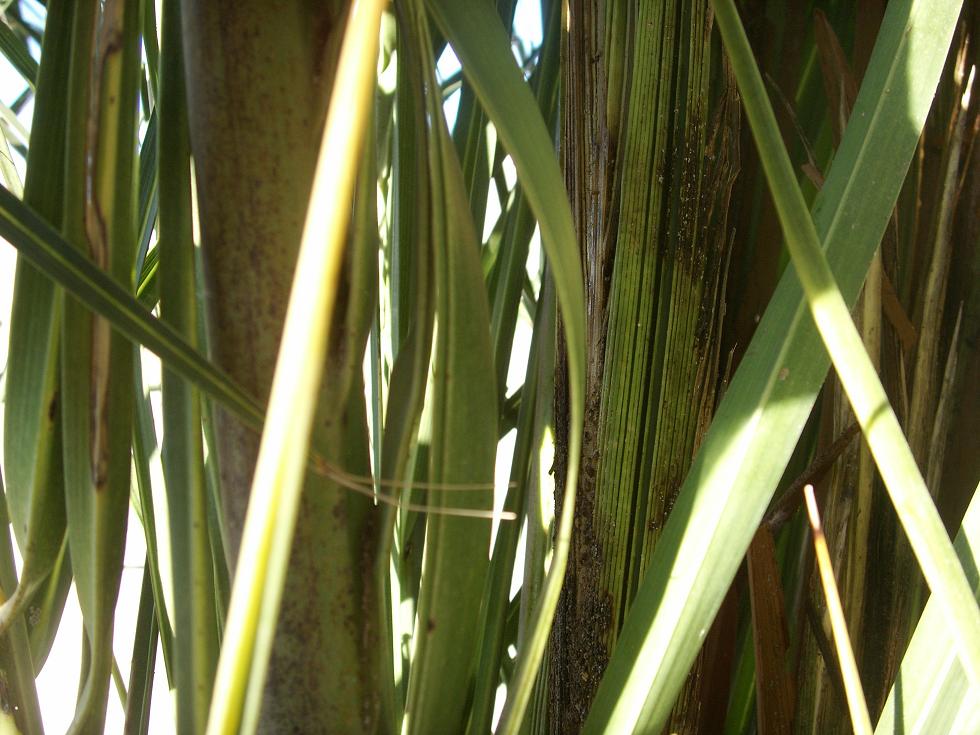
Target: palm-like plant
column 302, row 212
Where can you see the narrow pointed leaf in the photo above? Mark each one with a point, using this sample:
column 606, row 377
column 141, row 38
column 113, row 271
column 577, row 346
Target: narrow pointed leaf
column 483, row 47
column 32, row 432
column 183, row 449
column 464, row 439
column 51, row 254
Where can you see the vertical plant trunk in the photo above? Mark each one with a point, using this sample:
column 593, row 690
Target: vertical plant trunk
column 649, row 172
column 259, row 75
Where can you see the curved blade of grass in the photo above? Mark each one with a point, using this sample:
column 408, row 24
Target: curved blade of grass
column 880, row 426
column 463, row 445
column 275, row 494
column 767, row 403
column 413, row 312
column 483, row 47
column 36, row 504
column 33, row 437
column 931, row 692
column 32, row 448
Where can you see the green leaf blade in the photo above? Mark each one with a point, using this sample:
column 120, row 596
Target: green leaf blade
column 483, row 47
column 931, row 692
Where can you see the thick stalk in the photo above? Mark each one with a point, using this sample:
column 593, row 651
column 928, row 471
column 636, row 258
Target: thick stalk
column 651, row 204
column 259, row 75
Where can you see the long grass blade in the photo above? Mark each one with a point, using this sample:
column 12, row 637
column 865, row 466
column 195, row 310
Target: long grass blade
column 483, row 47
column 463, row 445
column 845, row 656
column 183, row 449
column 32, row 433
